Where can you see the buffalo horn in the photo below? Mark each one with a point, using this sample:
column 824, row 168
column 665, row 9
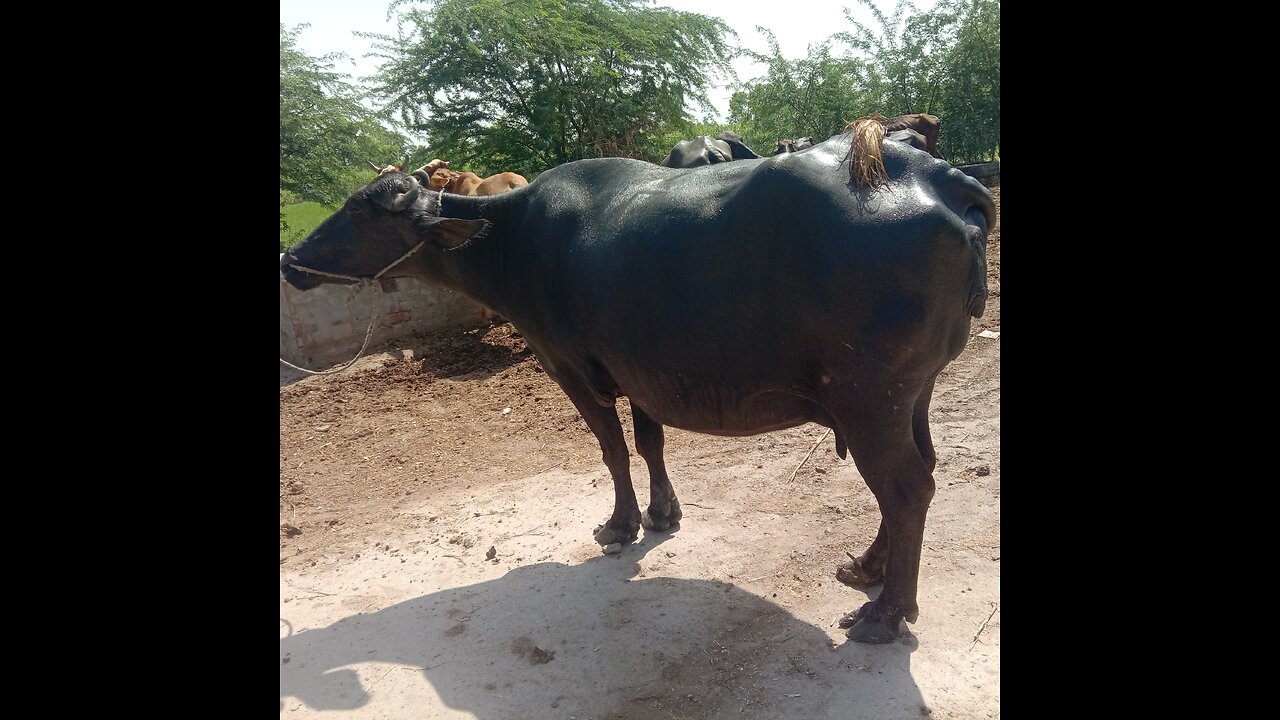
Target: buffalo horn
column 402, row 201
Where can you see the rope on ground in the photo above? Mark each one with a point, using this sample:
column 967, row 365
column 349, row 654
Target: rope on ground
column 367, row 334
column 377, row 286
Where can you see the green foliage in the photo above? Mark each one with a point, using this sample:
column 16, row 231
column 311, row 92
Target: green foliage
column 945, row 62
column 297, row 220
column 524, row 85
column 811, row 97
column 900, row 72
column 970, row 91
column 326, row 134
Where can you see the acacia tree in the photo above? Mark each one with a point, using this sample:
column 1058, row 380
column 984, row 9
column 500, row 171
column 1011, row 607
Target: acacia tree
column 970, row 93
column 326, row 134
column 525, row 85
column 945, row 62
column 813, row 96
column 901, row 70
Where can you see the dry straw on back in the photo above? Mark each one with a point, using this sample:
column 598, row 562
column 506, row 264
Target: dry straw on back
column 867, row 169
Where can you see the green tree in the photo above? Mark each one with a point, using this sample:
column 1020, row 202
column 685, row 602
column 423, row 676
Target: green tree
column 970, row 90
column 524, row 85
column 900, row 70
column 814, row 96
column 945, row 62
column 327, row 136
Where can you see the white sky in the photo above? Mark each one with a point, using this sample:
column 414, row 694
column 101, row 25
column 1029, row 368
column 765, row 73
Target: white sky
column 795, row 23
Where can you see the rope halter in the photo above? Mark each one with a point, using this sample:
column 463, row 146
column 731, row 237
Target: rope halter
column 362, row 281
column 399, row 203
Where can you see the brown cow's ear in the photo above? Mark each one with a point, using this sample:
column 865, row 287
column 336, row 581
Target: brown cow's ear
column 452, row 233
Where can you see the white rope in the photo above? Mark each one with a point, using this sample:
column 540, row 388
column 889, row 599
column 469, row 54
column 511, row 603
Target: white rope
column 364, row 282
column 367, row 334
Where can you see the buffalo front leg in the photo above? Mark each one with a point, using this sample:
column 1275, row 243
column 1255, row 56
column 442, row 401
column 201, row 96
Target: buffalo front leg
column 664, row 508
column 868, row 568
column 623, row 525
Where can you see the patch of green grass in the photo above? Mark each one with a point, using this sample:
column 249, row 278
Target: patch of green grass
column 302, row 219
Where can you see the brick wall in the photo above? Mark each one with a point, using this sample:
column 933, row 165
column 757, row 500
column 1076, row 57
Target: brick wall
column 325, row 326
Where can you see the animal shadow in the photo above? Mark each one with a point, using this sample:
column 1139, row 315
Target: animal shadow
column 593, row 639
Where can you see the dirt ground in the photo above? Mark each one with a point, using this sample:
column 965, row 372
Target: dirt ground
column 436, row 560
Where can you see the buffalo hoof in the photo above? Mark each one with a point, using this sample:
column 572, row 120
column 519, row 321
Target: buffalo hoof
column 653, row 519
column 872, row 633
column 606, row 535
column 855, row 574
column 865, row 626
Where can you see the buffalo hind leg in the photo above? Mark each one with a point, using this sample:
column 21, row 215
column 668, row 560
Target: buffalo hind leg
column 884, row 448
column 920, row 425
column 868, row 568
column 664, row 508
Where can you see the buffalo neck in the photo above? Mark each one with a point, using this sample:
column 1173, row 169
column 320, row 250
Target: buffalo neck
column 493, row 269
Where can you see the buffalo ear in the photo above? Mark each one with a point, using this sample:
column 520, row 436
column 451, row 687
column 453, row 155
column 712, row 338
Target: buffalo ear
column 453, row 233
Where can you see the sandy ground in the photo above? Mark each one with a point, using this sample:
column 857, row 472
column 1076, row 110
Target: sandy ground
column 436, row 559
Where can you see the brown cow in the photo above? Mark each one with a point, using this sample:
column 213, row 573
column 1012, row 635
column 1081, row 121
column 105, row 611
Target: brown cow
column 926, row 125
column 468, row 183
column 437, row 175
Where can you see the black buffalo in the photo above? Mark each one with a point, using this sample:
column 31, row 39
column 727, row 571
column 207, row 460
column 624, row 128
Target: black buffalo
column 910, row 137
column 692, row 295
column 706, row 150
column 787, row 145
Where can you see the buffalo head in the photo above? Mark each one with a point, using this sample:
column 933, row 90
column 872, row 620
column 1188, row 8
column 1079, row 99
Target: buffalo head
column 391, row 227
